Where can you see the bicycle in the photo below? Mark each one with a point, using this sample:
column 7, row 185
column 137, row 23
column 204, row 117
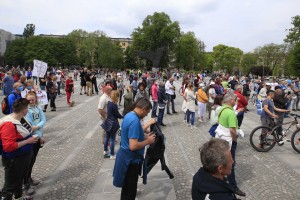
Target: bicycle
column 264, row 138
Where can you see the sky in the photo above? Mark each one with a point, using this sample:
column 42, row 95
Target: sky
column 245, row 24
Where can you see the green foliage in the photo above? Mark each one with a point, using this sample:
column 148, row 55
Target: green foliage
column 272, row 56
column 294, row 32
column 29, row 30
column 187, row 51
column 209, row 61
column 130, row 58
column 249, row 60
column 293, row 66
column 157, row 31
column 227, row 58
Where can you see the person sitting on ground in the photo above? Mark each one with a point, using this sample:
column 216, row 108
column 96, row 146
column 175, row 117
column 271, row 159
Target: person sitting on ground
column 209, row 182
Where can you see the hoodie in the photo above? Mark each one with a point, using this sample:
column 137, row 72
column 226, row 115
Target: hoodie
column 207, row 187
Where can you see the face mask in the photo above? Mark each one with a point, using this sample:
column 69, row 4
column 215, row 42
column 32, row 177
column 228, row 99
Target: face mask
column 21, row 88
column 29, row 87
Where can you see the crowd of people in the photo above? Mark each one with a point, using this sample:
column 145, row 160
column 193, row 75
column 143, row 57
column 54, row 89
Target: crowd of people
column 222, row 100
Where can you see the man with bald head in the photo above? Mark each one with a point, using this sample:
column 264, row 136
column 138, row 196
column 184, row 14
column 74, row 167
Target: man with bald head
column 15, row 94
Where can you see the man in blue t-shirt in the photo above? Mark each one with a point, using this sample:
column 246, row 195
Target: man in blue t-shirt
column 131, row 153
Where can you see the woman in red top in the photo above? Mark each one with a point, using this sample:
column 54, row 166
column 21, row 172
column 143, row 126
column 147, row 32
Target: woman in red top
column 242, row 104
column 69, row 90
column 17, row 149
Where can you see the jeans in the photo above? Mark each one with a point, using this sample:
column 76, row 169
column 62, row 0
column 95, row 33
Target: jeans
column 43, row 87
column 94, row 85
column 231, row 177
column 190, row 116
column 160, row 115
column 170, row 100
column 14, row 172
column 130, row 184
column 154, row 108
column 240, row 118
column 58, row 88
column 201, row 109
column 110, row 135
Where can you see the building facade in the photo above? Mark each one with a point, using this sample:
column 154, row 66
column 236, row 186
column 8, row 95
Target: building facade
column 5, row 38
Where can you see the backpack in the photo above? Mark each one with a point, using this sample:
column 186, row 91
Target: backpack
column 259, row 107
column 5, row 106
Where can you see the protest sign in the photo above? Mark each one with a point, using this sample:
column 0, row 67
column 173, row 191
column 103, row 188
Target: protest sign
column 39, row 68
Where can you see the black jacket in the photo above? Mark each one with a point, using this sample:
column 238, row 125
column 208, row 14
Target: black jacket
column 280, row 101
column 205, row 184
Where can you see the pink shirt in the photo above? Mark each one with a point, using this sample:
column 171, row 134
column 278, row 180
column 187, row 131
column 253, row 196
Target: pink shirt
column 154, row 91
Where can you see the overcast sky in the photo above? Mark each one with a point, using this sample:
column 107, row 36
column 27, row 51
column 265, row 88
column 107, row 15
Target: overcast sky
column 245, row 24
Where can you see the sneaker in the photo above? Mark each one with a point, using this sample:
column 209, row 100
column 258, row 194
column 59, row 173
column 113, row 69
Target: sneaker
column 33, row 182
column 184, row 121
column 193, row 127
column 107, row 155
column 105, row 152
column 28, row 191
column 201, row 120
column 174, row 112
column 112, row 157
column 239, row 192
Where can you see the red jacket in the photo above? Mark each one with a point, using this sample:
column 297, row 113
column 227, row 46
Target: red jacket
column 242, row 101
column 154, row 92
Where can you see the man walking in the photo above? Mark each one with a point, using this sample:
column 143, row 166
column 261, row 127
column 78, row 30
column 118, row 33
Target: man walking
column 170, row 91
column 227, row 130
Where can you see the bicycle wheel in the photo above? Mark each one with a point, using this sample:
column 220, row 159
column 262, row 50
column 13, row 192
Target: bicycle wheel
column 262, row 139
column 295, row 140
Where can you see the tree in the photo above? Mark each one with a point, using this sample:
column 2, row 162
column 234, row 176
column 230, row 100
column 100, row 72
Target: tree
column 249, row 60
column 227, row 58
column 29, row 30
column 272, row 56
column 187, row 51
column 293, row 66
column 294, row 32
column 157, row 31
column 130, row 58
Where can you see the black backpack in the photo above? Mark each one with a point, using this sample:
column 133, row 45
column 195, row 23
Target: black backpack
column 5, row 106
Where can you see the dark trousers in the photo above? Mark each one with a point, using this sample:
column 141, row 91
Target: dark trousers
column 231, row 177
column 160, row 115
column 14, row 172
column 130, row 184
column 154, row 108
column 170, row 100
column 58, row 88
column 134, row 93
column 240, row 118
column 94, row 85
column 36, row 148
column 279, row 121
column 51, row 97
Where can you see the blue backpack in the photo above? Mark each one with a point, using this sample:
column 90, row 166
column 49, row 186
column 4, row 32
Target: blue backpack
column 259, row 107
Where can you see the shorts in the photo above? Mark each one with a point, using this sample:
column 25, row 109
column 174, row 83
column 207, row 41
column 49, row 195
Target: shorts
column 83, row 83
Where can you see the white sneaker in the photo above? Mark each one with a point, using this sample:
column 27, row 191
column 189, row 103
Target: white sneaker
column 112, row 157
column 201, row 120
column 105, row 153
column 193, row 127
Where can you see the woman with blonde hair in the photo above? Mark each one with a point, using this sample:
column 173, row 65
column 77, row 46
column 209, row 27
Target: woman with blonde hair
column 111, row 124
column 128, row 99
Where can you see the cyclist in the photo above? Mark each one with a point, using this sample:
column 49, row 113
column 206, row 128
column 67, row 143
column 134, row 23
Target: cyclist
column 267, row 114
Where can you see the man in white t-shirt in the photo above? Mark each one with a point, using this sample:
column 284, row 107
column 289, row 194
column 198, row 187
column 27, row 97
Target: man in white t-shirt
column 170, row 92
column 273, row 84
column 104, row 99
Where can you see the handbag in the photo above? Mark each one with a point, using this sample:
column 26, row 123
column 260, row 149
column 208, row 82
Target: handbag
column 174, row 96
column 107, row 124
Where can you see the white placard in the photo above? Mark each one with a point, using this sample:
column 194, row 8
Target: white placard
column 39, row 68
column 42, row 97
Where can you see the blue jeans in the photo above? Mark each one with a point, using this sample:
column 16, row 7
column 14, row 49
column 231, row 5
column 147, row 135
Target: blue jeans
column 240, row 118
column 190, row 116
column 154, row 108
column 231, row 177
column 160, row 115
column 110, row 135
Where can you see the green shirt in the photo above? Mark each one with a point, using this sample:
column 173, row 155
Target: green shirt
column 228, row 117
